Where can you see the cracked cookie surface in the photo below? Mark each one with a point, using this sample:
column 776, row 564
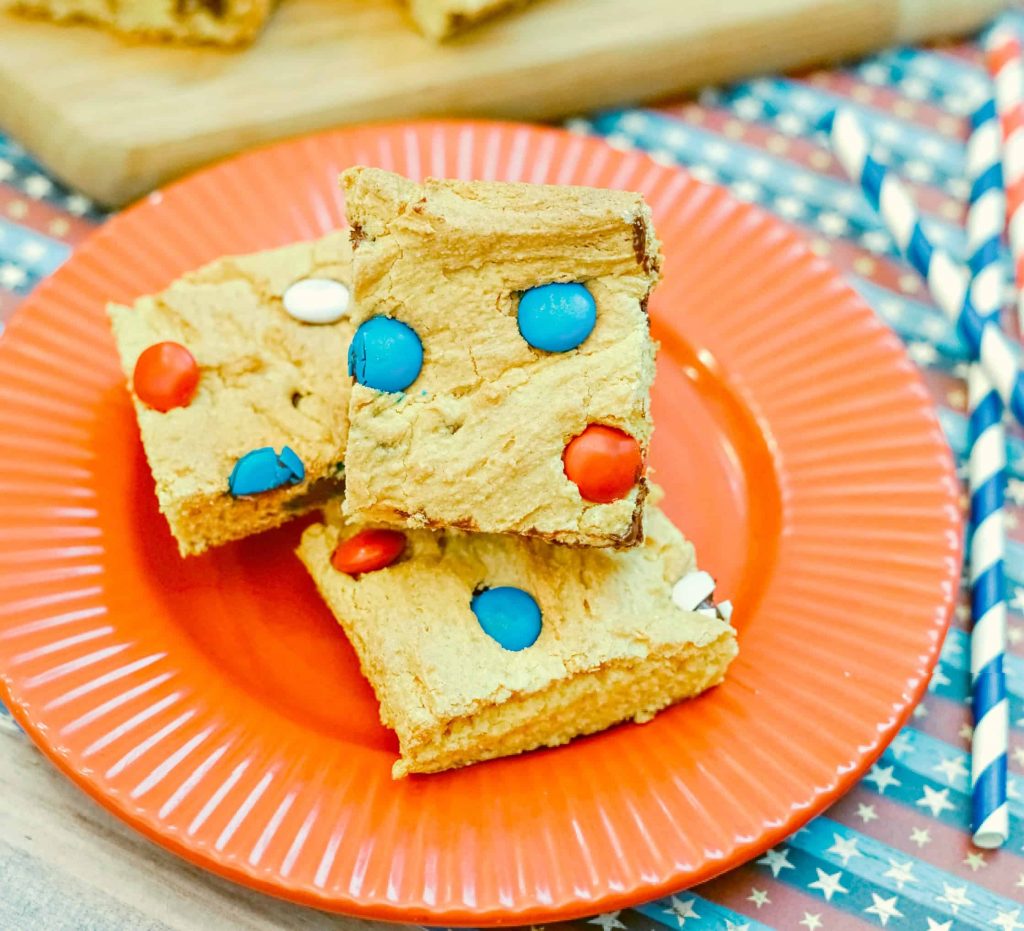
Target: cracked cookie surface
column 266, row 379
column 476, row 441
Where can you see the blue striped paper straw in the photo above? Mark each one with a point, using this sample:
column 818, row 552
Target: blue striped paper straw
column 947, row 280
column 986, row 215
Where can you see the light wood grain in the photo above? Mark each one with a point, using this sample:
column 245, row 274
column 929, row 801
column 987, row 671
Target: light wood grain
column 67, row 865
column 116, row 119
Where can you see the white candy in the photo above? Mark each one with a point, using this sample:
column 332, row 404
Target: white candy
column 692, row 589
column 317, row 300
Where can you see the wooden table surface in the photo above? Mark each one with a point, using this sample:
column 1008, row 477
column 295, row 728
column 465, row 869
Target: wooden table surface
column 68, row 865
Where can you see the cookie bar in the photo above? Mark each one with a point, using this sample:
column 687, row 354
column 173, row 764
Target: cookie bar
column 503, row 357
column 218, row 22
column 440, row 19
column 572, row 641
column 237, row 376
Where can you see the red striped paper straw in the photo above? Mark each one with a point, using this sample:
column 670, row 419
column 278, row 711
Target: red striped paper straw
column 1005, row 59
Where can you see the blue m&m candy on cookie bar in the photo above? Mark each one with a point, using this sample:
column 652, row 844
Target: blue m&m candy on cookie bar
column 557, row 317
column 263, row 470
column 508, row 615
column 385, row 354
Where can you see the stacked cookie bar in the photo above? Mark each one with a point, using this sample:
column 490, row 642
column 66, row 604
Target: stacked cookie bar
column 468, row 391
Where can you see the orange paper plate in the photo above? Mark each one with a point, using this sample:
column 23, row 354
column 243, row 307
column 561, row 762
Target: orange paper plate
column 213, row 703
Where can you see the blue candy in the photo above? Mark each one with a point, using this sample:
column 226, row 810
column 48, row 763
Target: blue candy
column 263, row 469
column 508, row 615
column 385, row 354
column 557, row 317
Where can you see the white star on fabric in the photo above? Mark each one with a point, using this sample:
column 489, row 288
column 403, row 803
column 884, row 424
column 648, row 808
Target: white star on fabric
column 1010, row 520
column 700, row 172
column 1007, row 920
column 957, row 398
column 609, row 921
column 749, row 109
column 883, row 908
column 747, row 190
column 1012, row 792
column 1018, row 755
column 681, row 909
column 935, row 926
column 920, row 836
column 900, row 745
column 735, row 926
column 1015, row 635
column 38, row 186
column 634, row 121
column 901, row 872
column 760, row 167
column 875, row 240
column 759, row 897
column 1015, row 490
column 919, row 712
column 791, row 124
column 844, row 848
column 950, row 767
column 811, row 922
column 954, row 896
column 6, row 169
column 966, row 732
column 716, row 151
column 832, row 224
column 890, row 132
column 828, row 883
column 935, row 802
column 918, row 171
column 916, row 89
column 975, row 861
column 1017, row 602
column 866, row 813
column 663, row 157
column 922, row 353
column 939, row 678
column 31, row 251
column 848, row 199
column 11, row 276
column 777, row 861
column 789, row 207
column 874, row 73
column 882, row 777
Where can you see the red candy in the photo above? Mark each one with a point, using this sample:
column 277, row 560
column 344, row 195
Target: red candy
column 165, row 376
column 368, row 551
column 604, row 462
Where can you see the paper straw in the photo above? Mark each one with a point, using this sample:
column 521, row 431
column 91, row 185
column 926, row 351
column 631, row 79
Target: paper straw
column 948, row 282
column 1005, row 61
column 986, row 474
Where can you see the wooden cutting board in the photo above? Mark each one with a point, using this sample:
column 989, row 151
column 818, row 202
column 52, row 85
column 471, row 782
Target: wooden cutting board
column 115, row 119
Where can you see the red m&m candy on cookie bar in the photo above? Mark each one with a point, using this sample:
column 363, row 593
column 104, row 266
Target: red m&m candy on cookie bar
column 165, row 376
column 604, row 463
column 368, row 551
